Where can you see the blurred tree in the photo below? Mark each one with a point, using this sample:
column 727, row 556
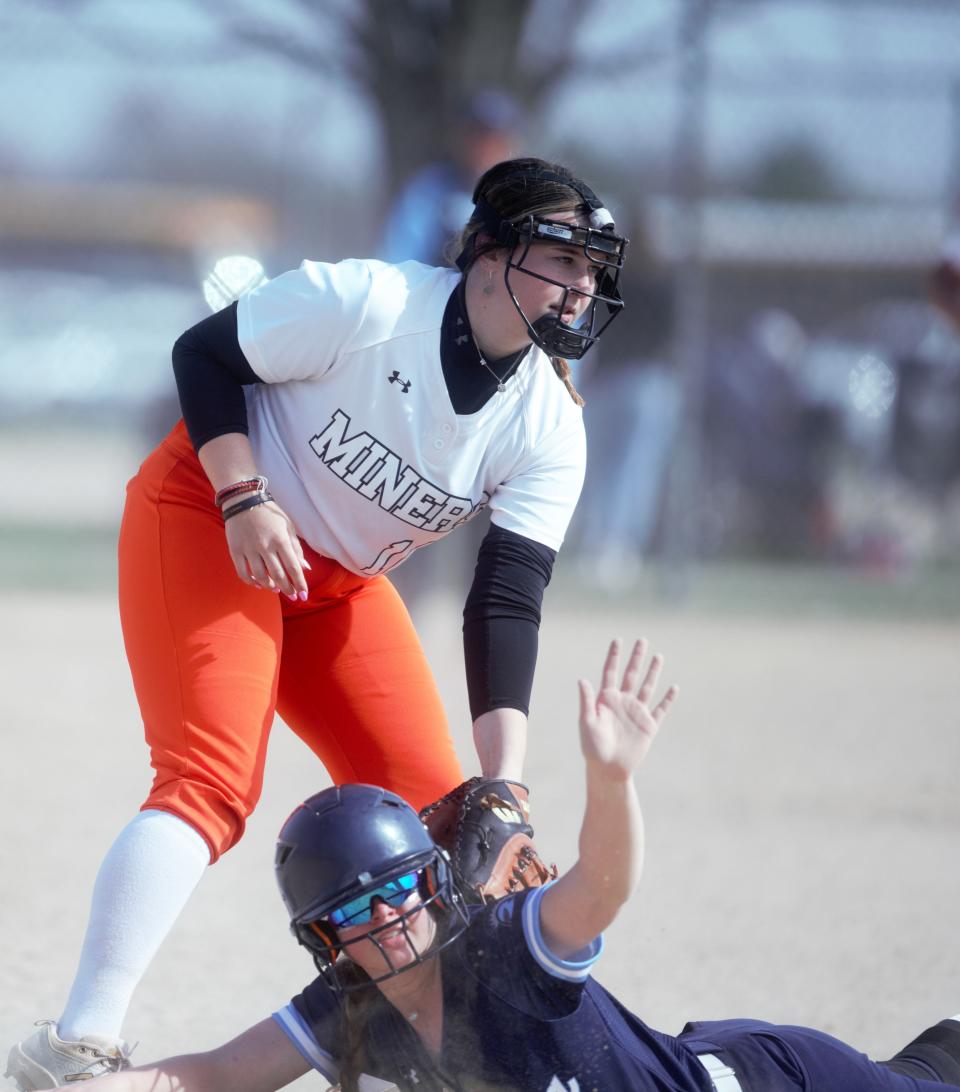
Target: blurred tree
column 795, row 170
column 418, row 60
column 147, row 138
column 415, row 63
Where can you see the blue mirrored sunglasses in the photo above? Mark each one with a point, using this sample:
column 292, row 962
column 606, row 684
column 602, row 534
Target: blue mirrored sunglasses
column 360, row 910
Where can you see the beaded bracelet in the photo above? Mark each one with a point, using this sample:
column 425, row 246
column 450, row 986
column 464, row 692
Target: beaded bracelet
column 246, row 505
column 248, row 485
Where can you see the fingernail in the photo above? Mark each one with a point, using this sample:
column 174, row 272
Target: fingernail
column 303, row 596
column 307, row 565
column 292, row 597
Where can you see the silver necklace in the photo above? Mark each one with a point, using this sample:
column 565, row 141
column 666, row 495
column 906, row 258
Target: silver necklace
column 501, row 386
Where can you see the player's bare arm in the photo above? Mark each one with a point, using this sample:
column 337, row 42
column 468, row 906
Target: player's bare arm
column 617, row 728
column 500, row 737
column 262, row 540
column 260, row 1059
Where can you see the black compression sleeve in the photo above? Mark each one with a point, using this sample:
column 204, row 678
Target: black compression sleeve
column 501, row 620
column 211, row 372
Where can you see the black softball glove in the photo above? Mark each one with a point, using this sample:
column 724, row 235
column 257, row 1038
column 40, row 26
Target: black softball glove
column 483, row 827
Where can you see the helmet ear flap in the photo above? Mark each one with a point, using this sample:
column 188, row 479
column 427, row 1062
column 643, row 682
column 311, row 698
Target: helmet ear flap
column 309, row 933
column 429, row 885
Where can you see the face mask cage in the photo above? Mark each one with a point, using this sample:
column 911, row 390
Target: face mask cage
column 598, row 240
column 601, row 247
column 437, row 897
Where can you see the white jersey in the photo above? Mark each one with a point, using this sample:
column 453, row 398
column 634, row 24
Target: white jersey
column 355, row 430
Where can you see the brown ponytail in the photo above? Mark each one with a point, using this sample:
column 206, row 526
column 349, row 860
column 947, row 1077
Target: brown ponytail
column 562, row 368
column 356, row 1008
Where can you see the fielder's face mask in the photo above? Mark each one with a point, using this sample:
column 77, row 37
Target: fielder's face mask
column 597, row 239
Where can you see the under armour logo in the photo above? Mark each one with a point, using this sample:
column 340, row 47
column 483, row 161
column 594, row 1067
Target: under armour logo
column 556, row 1085
column 462, row 339
column 405, row 384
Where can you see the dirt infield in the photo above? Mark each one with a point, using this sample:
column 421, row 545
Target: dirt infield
column 802, row 811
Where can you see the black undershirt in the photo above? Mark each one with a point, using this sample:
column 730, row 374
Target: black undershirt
column 501, row 620
column 501, row 617
column 469, row 384
column 211, row 372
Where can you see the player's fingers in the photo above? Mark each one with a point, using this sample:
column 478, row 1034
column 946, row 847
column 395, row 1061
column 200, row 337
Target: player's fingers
column 609, row 677
column 650, row 682
column 663, row 706
column 588, row 702
column 296, row 582
column 259, row 576
column 243, row 570
column 632, row 675
column 278, row 574
column 246, row 561
column 297, row 546
column 295, row 563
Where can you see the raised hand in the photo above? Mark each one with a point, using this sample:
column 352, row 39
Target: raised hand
column 618, row 725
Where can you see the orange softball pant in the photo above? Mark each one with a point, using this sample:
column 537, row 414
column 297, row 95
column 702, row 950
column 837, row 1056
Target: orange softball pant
column 213, row 659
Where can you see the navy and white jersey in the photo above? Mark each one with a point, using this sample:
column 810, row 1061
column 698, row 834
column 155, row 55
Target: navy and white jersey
column 516, row 1019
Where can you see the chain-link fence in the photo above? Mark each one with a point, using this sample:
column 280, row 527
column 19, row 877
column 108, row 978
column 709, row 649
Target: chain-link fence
column 780, row 383
column 785, row 382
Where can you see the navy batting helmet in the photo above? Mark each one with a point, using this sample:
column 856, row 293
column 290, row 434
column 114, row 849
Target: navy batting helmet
column 347, row 845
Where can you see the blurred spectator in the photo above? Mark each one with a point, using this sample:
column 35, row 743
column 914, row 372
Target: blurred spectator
column 926, row 429
column 769, row 447
column 945, row 281
column 922, row 342
column 891, row 370
column 436, row 202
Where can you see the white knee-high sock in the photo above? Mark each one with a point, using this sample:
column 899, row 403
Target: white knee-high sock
column 145, row 880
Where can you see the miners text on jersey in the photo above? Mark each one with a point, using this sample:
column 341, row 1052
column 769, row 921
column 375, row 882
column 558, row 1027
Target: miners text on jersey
column 371, row 469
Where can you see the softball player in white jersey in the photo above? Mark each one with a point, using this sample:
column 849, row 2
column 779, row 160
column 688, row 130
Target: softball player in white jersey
column 336, row 419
